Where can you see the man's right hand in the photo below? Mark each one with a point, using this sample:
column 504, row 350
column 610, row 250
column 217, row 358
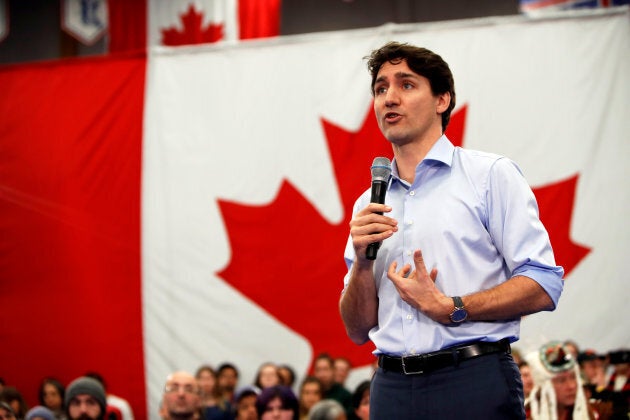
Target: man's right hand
column 368, row 226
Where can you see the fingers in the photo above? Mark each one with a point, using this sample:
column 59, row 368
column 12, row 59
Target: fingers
column 369, row 226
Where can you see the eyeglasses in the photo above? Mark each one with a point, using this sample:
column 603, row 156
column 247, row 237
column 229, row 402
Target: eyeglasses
column 556, row 358
column 187, row 388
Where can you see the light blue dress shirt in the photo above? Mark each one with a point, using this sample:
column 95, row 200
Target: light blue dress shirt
column 475, row 219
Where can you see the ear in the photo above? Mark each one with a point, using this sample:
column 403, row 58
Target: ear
column 443, row 102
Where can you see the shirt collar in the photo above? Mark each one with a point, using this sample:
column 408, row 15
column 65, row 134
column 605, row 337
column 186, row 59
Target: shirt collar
column 441, row 152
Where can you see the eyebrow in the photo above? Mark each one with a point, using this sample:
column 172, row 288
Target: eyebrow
column 398, row 75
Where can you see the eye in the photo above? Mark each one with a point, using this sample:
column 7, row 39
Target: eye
column 379, row 90
column 407, row 85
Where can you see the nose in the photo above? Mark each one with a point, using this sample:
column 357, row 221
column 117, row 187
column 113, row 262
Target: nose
column 391, row 97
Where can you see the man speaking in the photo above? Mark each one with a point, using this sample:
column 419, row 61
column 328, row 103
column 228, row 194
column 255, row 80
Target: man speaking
column 463, row 256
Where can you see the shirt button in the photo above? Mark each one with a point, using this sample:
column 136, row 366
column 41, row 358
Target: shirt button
column 409, row 222
column 412, row 193
column 408, row 253
column 409, row 316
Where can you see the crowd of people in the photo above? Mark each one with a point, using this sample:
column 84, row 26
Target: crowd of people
column 559, row 382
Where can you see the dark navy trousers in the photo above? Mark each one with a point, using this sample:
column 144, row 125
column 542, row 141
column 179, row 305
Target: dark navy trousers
column 485, row 388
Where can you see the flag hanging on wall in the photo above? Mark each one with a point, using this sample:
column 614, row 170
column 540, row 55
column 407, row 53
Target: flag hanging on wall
column 192, row 207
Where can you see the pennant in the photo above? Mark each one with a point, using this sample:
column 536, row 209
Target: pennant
column 85, row 20
column 4, row 19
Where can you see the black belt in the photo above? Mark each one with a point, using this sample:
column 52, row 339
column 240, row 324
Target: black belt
column 429, row 362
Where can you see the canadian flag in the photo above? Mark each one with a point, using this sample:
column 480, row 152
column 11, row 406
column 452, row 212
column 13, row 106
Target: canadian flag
column 191, row 206
column 179, row 22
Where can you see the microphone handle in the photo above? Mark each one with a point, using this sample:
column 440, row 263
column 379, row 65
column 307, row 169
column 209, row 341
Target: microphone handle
column 378, row 196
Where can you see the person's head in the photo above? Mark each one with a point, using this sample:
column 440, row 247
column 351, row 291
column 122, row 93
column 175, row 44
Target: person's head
column 327, row 409
column 420, row 61
column 591, row 365
column 6, row 411
column 323, row 369
column 361, row 400
column 557, row 382
column 39, row 412
column 85, row 399
column 526, row 378
column 277, row 403
column 51, row 394
column 620, row 361
column 267, row 376
column 310, row 393
column 181, row 395
column 206, row 379
column 245, row 403
column 227, row 377
column 287, row 375
column 15, row 399
column 342, row 368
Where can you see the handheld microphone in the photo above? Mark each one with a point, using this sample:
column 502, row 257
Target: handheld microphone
column 381, row 170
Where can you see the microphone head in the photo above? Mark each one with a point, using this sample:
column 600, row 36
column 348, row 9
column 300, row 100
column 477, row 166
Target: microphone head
column 381, row 169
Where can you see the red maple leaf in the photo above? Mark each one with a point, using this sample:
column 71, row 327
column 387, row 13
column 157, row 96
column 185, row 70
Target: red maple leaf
column 193, row 32
column 289, row 260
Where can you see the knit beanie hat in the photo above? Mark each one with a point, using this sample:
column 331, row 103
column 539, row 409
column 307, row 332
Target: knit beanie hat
column 550, row 360
column 89, row 386
column 39, row 411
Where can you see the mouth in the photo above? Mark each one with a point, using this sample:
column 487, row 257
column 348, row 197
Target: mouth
column 392, row 117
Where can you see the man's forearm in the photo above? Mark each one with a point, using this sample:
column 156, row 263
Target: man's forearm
column 516, row 297
column 358, row 304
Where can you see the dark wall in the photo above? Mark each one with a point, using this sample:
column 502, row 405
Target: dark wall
column 301, row 16
column 35, row 32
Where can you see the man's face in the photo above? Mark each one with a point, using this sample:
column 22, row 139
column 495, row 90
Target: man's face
column 404, row 105
column 246, row 408
column 228, row 379
column 84, row 407
column 323, row 371
column 565, row 387
column 311, row 394
column 181, row 395
column 342, row 370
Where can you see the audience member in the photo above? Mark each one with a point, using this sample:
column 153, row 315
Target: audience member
column 213, row 406
column 619, row 382
column 181, row 397
column 85, row 399
column 227, row 379
column 558, row 392
column 310, row 394
column 361, row 401
column 6, row 412
column 526, row 378
column 593, row 370
column 245, row 403
column 14, row 398
column 342, row 368
column 287, row 375
column 39, row 412
column 327, row 409
column 267, row 376
column 51, row 395
column 277, row 403
column 117, row 407
column 323, row 370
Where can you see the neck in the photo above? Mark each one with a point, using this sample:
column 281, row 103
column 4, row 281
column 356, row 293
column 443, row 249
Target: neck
column 409, row 155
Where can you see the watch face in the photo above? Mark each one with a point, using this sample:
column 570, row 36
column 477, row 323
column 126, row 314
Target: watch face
column 459, row 315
